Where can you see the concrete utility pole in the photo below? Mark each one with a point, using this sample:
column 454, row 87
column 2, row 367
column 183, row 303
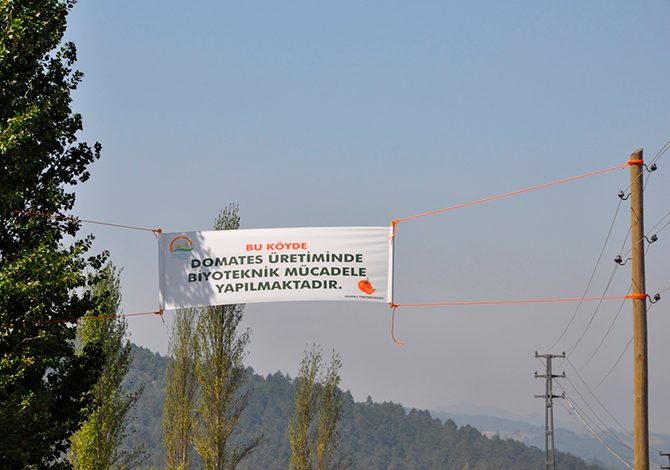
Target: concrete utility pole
column 641, row 387
column 549, row 453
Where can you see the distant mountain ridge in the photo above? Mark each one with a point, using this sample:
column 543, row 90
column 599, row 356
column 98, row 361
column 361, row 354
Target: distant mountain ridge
column 537, row 419
column 579, row 443
column 378, row 436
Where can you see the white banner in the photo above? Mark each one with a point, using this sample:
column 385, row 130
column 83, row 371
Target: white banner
column 271, row 265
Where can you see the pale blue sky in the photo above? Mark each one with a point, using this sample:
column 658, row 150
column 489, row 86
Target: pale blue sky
column 360, row 113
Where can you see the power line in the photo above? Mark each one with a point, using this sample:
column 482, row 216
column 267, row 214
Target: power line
column 659, row 223
column 574, row 315
column 609, row 282
column 604, row 337
column 616, row 363
column 606, row 431
column 595, row 434
column 664, row 149
column 596, row 399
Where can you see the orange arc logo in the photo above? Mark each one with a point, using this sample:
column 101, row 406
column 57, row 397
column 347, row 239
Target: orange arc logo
column 181, row 244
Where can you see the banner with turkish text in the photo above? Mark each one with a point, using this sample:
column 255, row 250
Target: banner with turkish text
column 271, row 265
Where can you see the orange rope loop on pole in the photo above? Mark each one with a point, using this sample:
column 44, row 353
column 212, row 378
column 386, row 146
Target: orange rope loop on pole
column 635, row 162
column 637, row 296
column 514, row 192
column 86, row 221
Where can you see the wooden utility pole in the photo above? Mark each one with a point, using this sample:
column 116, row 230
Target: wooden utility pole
column 641, row 387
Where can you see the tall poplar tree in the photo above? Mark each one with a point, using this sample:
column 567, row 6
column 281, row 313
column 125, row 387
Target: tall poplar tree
column 179, row 413
column 205, row 377
column 43, row 382
column 221, row 374
column 97, row 445
column 318, row 406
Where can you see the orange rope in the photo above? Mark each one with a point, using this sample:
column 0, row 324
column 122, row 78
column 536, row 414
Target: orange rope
column 392, row 327
column 74, row 320
column 86, row 221
column 515, row 192
column 395, row 228
column 495, row 302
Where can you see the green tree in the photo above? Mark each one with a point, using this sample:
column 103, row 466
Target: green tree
column 43, row 382
column 179, row 413
column 97, row 445
column 318, row 405
column 221, row 373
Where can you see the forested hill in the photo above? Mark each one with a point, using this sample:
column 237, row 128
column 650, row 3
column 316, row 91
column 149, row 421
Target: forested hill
column 375, row 435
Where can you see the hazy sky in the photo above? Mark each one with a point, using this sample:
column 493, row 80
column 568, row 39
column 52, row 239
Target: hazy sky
column 359, row 113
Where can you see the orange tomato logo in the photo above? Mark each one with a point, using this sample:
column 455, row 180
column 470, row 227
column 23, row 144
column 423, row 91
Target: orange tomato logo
column 365, row 286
